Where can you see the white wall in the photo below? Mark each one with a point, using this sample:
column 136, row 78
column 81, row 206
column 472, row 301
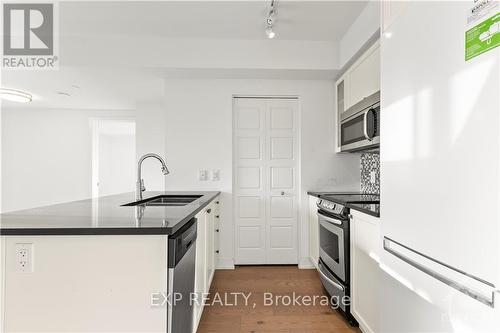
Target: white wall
column 199, row 53
column 47, row 156
column 116, row 164
column 199, row 136
column 360, row 32
column 151, row 137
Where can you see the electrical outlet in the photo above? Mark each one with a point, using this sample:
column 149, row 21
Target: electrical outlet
column 215, row 174
column 203, row 175
column 24, row 258
column 372, row 177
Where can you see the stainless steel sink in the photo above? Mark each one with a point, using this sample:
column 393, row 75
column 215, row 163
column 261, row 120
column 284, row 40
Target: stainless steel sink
column 166, row 200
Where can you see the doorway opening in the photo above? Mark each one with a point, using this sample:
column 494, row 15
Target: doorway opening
column 113, row 156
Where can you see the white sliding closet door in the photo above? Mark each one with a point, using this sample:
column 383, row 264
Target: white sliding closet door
column 265, row 165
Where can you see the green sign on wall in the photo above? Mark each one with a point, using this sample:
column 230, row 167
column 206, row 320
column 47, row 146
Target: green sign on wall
column 483, row 37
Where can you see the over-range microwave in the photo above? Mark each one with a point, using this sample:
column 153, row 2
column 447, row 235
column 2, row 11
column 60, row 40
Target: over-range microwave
column 360, row 125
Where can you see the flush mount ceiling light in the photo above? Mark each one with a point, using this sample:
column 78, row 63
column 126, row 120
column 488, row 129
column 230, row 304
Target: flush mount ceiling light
column 270, row 21
column 15, row 95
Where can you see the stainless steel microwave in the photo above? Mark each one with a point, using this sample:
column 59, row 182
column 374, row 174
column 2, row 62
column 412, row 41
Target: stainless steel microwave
column 360, row 125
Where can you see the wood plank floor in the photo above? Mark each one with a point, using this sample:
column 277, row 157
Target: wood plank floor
column 255, row 316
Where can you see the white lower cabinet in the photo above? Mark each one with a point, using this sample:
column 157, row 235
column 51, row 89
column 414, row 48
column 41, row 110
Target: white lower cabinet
column 206, row 243
column 365, row 271
column 313, row 231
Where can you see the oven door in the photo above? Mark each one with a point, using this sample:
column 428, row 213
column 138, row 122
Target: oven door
column 331, row 244
column 361, row 131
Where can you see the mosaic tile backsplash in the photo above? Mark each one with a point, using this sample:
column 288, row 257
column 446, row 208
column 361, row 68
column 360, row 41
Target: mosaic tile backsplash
column 370, row 162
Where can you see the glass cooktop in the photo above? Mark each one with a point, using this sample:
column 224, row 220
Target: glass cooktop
column 347, row 198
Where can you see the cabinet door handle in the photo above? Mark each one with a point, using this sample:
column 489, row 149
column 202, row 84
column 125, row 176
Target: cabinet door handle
column 209, row 210
column 217, row 202
column 217, row 216
column 217, row 251
column 216, row 230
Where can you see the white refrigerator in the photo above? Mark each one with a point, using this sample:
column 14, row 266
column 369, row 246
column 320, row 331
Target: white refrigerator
column 440, row 172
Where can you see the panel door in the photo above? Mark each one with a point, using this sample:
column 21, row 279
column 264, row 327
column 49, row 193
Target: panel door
column 265, row 180
column 249, row 167
column 281, row 196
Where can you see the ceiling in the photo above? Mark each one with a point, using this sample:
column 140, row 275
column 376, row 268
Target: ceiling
column 85, row 88
column 295, row 20
column 122, row 86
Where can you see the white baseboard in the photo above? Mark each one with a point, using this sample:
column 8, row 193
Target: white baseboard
column 305, row 263
column 225, row 264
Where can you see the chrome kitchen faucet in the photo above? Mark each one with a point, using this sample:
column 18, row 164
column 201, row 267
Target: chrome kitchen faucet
column 140, row 182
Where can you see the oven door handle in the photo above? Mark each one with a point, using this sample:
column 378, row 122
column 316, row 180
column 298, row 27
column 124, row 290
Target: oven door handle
column 338, row 286
column 329, row 219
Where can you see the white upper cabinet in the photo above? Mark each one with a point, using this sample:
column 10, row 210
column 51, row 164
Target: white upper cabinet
column 360, row 80
column 364, row 76
column 341, row 95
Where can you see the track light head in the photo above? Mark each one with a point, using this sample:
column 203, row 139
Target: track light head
column 270, row 33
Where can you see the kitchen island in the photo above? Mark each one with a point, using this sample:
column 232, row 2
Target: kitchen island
column 109, row 215
column 100, row 264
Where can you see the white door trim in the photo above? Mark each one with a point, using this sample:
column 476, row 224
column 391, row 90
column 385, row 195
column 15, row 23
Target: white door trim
column 94, row 124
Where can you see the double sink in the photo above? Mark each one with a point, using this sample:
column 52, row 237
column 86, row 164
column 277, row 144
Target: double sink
column 166, row 200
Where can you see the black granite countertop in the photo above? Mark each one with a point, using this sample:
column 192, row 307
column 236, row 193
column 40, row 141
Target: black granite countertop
column 319, row 194
column 365, row 203
column 370, row 209
column 104, row 216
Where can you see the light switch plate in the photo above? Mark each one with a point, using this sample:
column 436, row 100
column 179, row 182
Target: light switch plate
column 203, row 175
column 215, row 174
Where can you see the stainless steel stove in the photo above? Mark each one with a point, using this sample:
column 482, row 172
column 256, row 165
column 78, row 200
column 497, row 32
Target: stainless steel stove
column 334, row 248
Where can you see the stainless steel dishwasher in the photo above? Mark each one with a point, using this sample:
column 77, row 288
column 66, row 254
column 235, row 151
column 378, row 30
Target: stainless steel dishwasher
column 181, row 269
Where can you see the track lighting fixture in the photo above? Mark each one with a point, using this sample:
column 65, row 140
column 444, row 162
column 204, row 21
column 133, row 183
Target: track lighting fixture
column 270, row 21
